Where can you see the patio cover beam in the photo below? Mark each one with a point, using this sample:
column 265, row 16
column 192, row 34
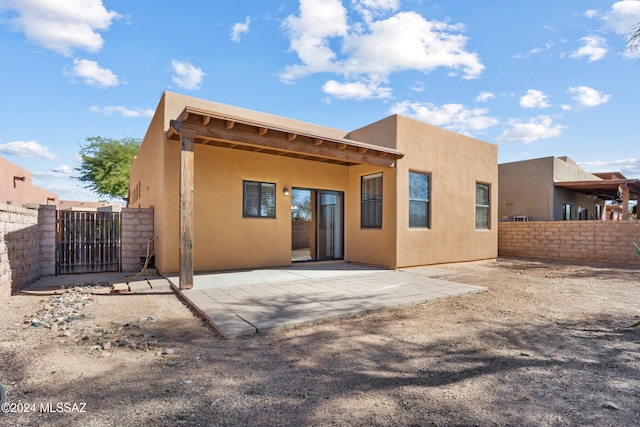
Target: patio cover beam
column 259, row 136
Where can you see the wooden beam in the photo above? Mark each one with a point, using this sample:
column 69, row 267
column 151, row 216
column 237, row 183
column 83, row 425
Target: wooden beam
column 299, row 146
column 341, row 146
column 206, row 120
column 317, row 141
column 362, row 150
column 187, row 138
column 230, row 124
column 291, row 136
column 185, row 116
column 262, row 131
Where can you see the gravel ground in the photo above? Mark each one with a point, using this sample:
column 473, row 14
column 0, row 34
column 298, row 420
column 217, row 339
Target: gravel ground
column 549, row 344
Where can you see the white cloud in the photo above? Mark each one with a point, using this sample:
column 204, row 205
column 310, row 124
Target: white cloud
column 369, row 9
column 26, row 149
column 536, row 50
column 309, row 34
column 356, row 90
column 92, row 74
column 541, row 127
column 61, row 25
column 240, row 28
column 566, row 107
column 623, row 16
column 628, row 167
column 591, row 13
column 484, row 96
column 370, row 50
column 378, row 4
column 588, row 97
column 186, row 75
column 418, row 87
column 595, row 48
column 452, row 116
column 534, row 99
column 62, row 171
column 124, row 111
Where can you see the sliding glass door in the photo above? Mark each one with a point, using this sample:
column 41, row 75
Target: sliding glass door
column 317, row 220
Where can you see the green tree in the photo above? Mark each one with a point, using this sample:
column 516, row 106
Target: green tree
column 105, row 165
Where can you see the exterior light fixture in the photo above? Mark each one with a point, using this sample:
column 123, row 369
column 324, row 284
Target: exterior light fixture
column 285, row 191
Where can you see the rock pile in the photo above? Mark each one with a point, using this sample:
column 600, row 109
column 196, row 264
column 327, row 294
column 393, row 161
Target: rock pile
column 63, row 316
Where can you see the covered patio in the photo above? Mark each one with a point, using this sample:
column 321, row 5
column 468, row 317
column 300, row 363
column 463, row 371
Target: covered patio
column 198, row 126
column 612, row 187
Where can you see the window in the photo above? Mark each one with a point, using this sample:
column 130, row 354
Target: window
column 259, row 199
column 482, row 206
column 566, row 211
column 371, row 201
column 419, row 200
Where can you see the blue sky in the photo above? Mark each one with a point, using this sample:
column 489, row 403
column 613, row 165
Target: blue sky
column 537, row 78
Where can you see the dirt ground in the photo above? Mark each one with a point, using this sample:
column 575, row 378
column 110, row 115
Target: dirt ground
column 550, row 344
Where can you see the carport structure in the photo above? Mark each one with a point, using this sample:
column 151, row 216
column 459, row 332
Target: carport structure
column 199, row 126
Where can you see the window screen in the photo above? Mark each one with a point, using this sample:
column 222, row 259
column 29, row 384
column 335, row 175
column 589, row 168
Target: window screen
column 482, row 206
column 371, row 201
column 419, row 200
column 259, row 199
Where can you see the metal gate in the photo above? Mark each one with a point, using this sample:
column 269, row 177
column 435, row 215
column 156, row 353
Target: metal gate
column 87, row 242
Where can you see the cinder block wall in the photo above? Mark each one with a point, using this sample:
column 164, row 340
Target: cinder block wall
column 300, row 234
column 605, row 241
column 47, row 224
column 28, row 243
column 19, row 248
column 137, row 230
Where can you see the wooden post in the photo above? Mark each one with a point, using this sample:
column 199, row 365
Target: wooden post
column 625, row 202
column 187, row 137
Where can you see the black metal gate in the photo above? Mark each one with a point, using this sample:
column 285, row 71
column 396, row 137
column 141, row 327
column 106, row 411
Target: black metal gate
column 87, row 242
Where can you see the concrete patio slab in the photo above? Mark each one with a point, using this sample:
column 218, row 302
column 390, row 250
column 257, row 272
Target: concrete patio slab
column 260, row 301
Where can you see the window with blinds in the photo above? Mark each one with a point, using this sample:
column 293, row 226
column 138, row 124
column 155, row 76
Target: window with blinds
column 371, row 201
column 259, row 199
column 482, row 206
column 419, row 200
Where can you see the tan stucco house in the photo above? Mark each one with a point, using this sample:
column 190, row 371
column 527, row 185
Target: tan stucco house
column 17, row 188
column 557, row 188
column 236, row 189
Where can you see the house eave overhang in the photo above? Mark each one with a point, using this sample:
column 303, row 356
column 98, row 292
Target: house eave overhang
column 606, row 189
column 222, row 130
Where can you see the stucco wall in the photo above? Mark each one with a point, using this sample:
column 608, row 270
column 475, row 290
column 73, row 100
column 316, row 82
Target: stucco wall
column 455, row 164
column 605, row 241
column 18, row 193
column 223, row 239
column 528, row 188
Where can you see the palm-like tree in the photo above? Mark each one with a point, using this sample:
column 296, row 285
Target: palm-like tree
column 633, row 44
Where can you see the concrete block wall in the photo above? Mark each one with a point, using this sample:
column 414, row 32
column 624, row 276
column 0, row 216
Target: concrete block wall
column 28, row 243
column 136, row 230
column 19, row 248
column 47, row 224
column 300, row 234
column 603, row 241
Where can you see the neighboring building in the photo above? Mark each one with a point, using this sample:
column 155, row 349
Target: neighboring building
column 17, row 189
column 224, row 181
column 557, row 188
column 77, row 205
